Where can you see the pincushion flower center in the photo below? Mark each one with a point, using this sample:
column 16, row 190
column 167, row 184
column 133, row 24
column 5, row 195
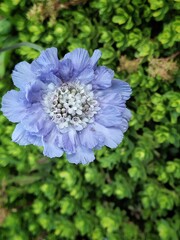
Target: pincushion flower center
column 71, row 104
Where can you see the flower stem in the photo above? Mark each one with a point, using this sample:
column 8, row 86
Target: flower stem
column 27, row 44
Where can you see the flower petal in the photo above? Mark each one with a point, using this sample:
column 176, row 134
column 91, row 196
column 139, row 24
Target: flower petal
column 47, row 76
column 103, row 78
column 79, row 58
column 114, row 116
column 121, row 87
column 14, row 106
column 83, row 155
column 51, row 143
column 109, row 116
column 65, row 70
column 23, row 137
column 95, row 57
column 86, row 76
column 47, row 57
column 127, row 114
column 113, row 136
column 20, row 135
column 34, row 139
column 123, row 125
column 22, row 75
column 108, row 97
column 34, row 91
column 37, row 121
column 91, row 138
column 119, row 91
column 69, row 141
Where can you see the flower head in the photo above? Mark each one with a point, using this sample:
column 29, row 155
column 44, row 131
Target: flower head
column 69, row 105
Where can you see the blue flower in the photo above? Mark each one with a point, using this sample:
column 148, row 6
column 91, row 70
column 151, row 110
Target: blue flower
column 69, row 105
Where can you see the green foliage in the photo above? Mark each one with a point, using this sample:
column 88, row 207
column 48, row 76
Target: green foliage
column 128, row 193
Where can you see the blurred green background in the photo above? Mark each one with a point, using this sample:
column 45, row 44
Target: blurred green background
column 131, row 192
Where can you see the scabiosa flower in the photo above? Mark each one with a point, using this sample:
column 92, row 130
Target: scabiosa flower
column 69, row 105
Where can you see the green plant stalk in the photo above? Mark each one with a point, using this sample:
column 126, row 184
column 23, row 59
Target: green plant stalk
column 27, row 44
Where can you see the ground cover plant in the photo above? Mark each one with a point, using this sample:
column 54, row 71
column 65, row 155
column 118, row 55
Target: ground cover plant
column 127, row 193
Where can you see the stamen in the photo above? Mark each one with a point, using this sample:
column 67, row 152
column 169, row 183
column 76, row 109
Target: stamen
column 72, row 104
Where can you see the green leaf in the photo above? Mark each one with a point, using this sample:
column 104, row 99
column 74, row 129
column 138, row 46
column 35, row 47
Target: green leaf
column 119, row 19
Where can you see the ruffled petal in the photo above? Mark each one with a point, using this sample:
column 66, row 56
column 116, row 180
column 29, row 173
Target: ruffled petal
column 86, row 76
column 121, row 87
column 14, row 106
column 83, row 155
column 48, row 76
column 95, row 57
column 22, row 75
column 123, row 125
column 109, row 116
column 48, row 57
column 37, row 121
column 113, row 111
column 79, row 58
column 34, row 139
column 118, row 92
column 113, row 136
column 103, row 78
column 114, row 116
column 65, row 70
column 20, row 135
column 90, row 137
column 23, row 137
column 108, row 97
column 34, row 91
column 51, row 143
column 69, row 141
column 127, row 114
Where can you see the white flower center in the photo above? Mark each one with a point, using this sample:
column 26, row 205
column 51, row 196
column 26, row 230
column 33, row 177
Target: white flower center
column 71, row 104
